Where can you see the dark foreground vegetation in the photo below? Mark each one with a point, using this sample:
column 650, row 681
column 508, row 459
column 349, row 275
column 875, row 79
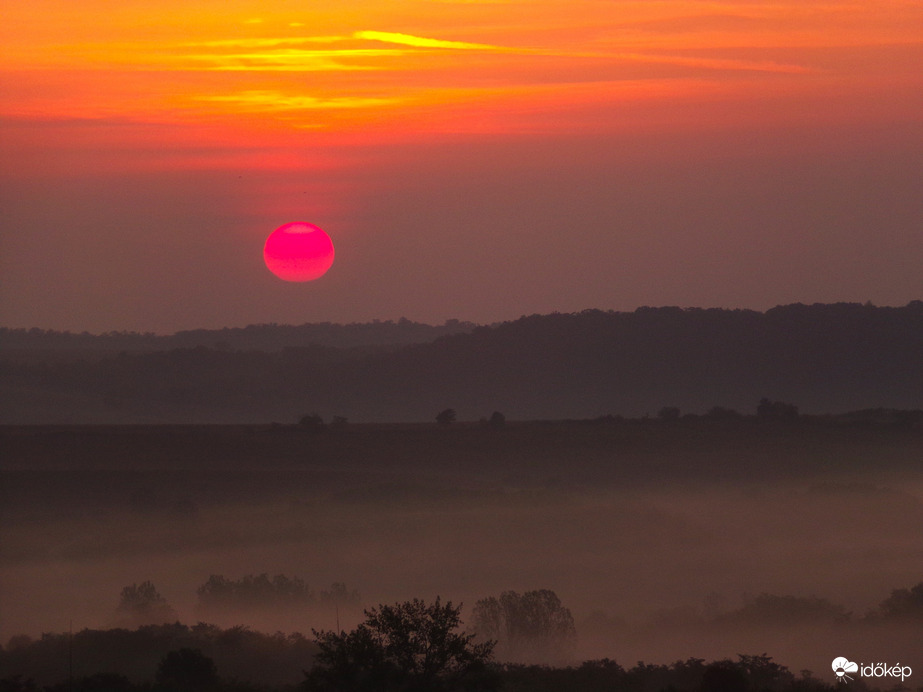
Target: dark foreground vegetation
column 376, row 657
column 402, row 647
column 135, row 657
column 190, row 670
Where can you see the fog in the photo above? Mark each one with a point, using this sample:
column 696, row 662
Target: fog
column 654, row 537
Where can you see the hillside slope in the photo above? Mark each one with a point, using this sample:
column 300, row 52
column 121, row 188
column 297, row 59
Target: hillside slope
column 822, row 358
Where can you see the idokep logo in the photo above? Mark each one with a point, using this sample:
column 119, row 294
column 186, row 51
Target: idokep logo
column 843, row 666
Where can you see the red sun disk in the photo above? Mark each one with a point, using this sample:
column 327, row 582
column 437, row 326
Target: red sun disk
column 298, row 251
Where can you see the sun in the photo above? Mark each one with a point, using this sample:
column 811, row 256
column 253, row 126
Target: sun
column 298, row 251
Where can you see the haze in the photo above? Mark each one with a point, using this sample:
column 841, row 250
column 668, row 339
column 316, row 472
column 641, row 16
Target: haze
column 470, row 160
column 656, row 535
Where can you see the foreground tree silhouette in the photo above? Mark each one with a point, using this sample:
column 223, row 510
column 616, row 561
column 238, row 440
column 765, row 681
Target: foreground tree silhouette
column 187, row 670
column 410, row 646
column 724, row 676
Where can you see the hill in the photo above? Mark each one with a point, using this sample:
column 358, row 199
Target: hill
column 822, row 358
column 37, row 345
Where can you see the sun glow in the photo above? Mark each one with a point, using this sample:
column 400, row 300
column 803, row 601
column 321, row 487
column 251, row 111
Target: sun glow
column 298, row 251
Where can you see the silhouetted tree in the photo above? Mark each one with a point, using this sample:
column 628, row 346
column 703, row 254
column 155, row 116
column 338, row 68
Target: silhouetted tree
column 669, row 413
column 339, row 594
column 767, row 608
column 763, row 673
column 253, row 591
column 142, row 604
column 531, row 626
column 722, row 413
column 312, row 422
column 15, row 683
column 19, row 641
column 187, row 670
column 776, row 410
column 904, row 603
column 271, row 659
column 407, row 646
column 99, row 682
column 496, row 420
column 446, row 416
column 749, row 674
column 724, row 676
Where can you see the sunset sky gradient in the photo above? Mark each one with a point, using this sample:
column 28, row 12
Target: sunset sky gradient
column 471, row 159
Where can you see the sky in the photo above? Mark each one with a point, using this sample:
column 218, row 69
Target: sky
column 471, row 159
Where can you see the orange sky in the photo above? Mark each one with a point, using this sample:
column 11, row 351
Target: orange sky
column 325, row 100
column 401, row 65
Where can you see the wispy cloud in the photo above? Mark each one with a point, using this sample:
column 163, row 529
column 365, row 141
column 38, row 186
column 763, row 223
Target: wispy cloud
column 288, row 60
column 263, row 42
column 356, row 51
column 266, row 100
column 266, row 68
column 423, row 42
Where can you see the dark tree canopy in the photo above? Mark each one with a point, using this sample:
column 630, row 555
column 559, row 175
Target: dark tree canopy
column 340, row 594
column 311, row 421
column 768, row 608
column 669, row 413
column 446, row 416
column 97, row 682
column 776, row 410
column 724, row 676
column 904, row 603
column 187, row 670
column 529, row 626
column 104, row 656
column 408, row 646
column 253, row 591
column 141, row 604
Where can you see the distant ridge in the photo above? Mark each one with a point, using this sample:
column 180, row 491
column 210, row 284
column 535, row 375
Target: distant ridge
column 822, row 358
column 254, row 337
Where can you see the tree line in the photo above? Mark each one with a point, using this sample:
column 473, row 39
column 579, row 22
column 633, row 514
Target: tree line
column 402, row 647
column 830, row 358
column 412, row 646
column 534, row 625
column 143, row 604
column 255, row 337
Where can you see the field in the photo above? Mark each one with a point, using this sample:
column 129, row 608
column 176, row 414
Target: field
column 663, row 538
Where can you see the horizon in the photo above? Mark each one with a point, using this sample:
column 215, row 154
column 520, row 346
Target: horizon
column 822, row 358
column 449, row 321
column 468, row 160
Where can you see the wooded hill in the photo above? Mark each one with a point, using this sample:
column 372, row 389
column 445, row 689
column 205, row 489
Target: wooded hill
column 821, row 358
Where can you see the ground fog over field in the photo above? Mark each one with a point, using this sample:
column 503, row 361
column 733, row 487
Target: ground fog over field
column 665, row 539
